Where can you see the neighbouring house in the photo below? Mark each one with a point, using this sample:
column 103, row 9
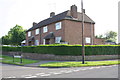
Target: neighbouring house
column 65, row 27
column 99, row 41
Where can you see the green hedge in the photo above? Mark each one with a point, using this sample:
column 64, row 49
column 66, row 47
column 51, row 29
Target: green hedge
column 68, row 49
column 8, row 49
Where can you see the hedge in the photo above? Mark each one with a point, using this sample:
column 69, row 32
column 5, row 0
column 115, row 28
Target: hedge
column 68, row 49
column 9, row 49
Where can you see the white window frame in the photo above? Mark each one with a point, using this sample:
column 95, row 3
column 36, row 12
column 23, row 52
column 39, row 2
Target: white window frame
column 88, row 40
column 36, row 42
column 29, row 33
column 58, row 25
column 58, row 39
column 37, row 31
column 43, row 41
column 45, row 29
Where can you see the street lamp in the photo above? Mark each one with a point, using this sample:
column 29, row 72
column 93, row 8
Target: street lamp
column 83, row 47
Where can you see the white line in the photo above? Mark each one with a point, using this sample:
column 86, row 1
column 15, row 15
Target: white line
column 30, row 77
column 25, row 75
column 103, row 66
column 45, row 75
column 91, row 68
column 68, row 71
column 39, row 73
column 97, row 67
column 76, row 70
column 57, row 73
column 11, row 77
column 83, row 69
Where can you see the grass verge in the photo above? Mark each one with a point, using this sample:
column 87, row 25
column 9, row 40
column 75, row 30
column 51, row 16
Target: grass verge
column 9, row 60
column 79, row 64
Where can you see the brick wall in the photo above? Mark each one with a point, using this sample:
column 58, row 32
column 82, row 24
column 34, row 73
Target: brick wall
column 62, row 58
column 73, row 32
column 99, row 41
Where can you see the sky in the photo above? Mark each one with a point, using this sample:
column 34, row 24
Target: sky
column 25, row 12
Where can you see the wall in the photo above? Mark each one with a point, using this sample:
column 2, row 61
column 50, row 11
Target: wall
column 62, row 58
column 73, row 32
column 99, row 41
column 51, row 28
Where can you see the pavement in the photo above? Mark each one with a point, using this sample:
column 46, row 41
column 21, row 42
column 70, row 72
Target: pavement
column 42, row 62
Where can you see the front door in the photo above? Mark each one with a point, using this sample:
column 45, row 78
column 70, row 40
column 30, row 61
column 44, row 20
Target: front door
column 47, row 41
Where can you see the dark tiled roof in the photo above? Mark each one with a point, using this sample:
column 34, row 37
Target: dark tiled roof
column 61, row 16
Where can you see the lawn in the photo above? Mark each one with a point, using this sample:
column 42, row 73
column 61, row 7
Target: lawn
column 9, row 60
column 79, row 64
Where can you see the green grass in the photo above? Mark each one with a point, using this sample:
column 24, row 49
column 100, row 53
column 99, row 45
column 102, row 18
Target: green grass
column 9, row 60
column 79, row 64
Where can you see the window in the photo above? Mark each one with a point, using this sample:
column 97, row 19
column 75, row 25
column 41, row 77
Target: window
column 58, row 25
column 87, row 39
column 45, row 29
column 58, row 39
column 29, row 33
column 36, row 42
column 37, row 31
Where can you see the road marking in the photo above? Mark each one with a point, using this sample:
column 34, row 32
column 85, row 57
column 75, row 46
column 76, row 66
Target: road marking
column 11, row 77
column 30, row 77
column 25, row 75
column 76, row 70
column 45, row 75
column 57, row 73
column 39, row 73
column 91, row 68
column 97, row 67
column 68, row 71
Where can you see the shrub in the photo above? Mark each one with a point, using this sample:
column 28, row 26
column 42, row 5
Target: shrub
column 58, row 49
column 8, row 49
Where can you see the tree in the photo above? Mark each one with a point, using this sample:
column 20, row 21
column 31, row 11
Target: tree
column 111, row 36
column 15, row 36
column 5, row 40
column 99, row 36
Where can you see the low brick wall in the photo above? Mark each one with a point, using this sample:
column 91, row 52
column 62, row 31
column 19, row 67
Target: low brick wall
column 61, row 58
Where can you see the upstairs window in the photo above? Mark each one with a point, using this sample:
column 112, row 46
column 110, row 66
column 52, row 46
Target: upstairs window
column 45, row 29
column 37, row 31
column 29, row 33
column 58, row 25
column 58, row 39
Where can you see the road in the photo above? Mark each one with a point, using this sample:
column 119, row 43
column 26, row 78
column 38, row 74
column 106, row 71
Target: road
column 12, row 71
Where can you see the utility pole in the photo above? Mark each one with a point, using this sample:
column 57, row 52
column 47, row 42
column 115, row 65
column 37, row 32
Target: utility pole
column 83, row 47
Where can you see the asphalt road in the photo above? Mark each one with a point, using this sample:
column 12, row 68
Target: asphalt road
column 12, row 71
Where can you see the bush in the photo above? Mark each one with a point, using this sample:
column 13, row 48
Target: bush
column 8, row 49
column 58, row 49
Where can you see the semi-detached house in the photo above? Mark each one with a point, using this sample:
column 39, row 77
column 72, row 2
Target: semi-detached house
column 65, row 27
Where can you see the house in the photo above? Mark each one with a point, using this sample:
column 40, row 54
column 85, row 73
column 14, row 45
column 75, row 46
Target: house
column 99, row 41
column 65, row 27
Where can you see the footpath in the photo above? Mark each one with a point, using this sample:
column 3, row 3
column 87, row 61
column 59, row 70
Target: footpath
column 42, row 62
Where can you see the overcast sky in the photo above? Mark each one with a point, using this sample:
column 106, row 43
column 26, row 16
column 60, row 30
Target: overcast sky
column 25, row 12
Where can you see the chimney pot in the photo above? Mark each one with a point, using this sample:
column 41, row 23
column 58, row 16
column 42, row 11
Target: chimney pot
column 34, row 23
column 52, row 14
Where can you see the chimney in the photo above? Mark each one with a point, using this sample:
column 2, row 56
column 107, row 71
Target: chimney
column 34, row 23
column 52, row 14
column 73, row 11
